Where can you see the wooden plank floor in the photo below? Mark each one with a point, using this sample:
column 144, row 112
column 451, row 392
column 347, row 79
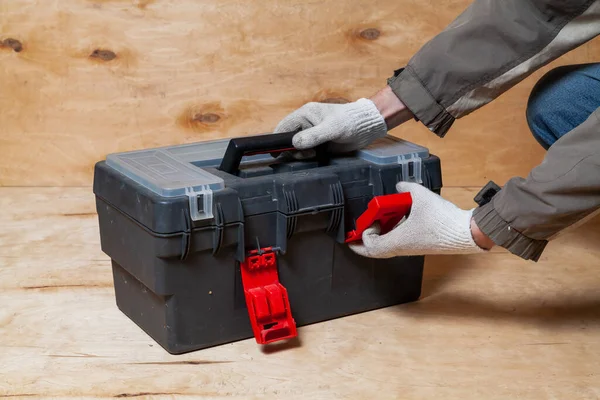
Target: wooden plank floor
column 488, row 326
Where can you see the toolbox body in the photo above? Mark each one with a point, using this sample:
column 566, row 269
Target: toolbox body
column 177, row 227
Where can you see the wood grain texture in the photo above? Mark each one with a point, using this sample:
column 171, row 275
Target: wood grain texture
column 83, row 78
column 488, row 326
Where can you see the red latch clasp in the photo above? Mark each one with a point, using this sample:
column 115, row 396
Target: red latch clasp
column 266, row 298
column 388, row 210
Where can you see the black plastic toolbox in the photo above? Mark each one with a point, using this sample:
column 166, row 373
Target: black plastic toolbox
column 179, row 222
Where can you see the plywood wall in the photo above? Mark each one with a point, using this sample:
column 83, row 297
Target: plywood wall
column 83, row 78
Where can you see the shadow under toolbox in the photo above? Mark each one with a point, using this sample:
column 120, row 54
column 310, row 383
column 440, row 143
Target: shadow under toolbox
column 209, row 248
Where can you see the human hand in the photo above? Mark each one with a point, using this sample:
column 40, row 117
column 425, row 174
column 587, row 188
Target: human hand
column 347, row 127
column 434, row 226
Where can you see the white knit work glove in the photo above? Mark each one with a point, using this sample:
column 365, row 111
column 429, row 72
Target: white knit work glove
column 434, row 226
column 347, row 127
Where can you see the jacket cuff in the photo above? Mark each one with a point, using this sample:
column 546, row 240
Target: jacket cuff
column 406, row 85
column 500, row 232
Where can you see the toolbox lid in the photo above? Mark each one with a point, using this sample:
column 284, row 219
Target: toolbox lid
column 174, row 171
column 392, row 150
column 168, row 175
column 163, row 172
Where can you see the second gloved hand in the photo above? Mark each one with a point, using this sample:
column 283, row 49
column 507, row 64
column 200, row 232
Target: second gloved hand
column 347, row 127
column 434, row 226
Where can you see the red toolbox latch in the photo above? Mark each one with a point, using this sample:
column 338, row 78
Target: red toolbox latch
column 388, row 210
column 266, row 298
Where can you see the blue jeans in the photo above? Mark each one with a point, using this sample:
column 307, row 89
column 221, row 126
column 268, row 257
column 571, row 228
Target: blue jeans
column 561, row 100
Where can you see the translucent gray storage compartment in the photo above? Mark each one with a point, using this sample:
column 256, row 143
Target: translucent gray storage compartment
column 169, row 176
column 178, row 170
column 391, row 150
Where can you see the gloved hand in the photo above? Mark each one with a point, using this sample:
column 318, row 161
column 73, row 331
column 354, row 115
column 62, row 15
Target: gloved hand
column 347, row 127
column 434, row 226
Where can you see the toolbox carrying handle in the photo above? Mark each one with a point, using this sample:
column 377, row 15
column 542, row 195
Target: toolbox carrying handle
column 262, row 144
column 251, row 145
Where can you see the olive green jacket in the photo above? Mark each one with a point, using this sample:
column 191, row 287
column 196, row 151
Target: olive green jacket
column 489, row 48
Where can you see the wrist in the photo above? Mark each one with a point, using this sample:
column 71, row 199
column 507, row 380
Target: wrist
column 392, row 109
column 480, row 238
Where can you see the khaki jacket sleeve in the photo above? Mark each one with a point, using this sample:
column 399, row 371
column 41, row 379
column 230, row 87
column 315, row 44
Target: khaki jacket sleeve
column 562, row 192
column 490, row 47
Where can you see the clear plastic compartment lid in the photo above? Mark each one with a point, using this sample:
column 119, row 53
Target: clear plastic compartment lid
column 168, row 172
column 392, row 150
column 178, row 170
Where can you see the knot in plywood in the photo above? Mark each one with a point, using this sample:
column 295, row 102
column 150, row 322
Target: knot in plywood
column 370, row 33
column 208, row 118
column 104, row 55
column 203, row 117
column 11, row 43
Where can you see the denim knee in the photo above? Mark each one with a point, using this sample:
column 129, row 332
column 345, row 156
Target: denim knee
column 540, row 106
column 561, row 100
